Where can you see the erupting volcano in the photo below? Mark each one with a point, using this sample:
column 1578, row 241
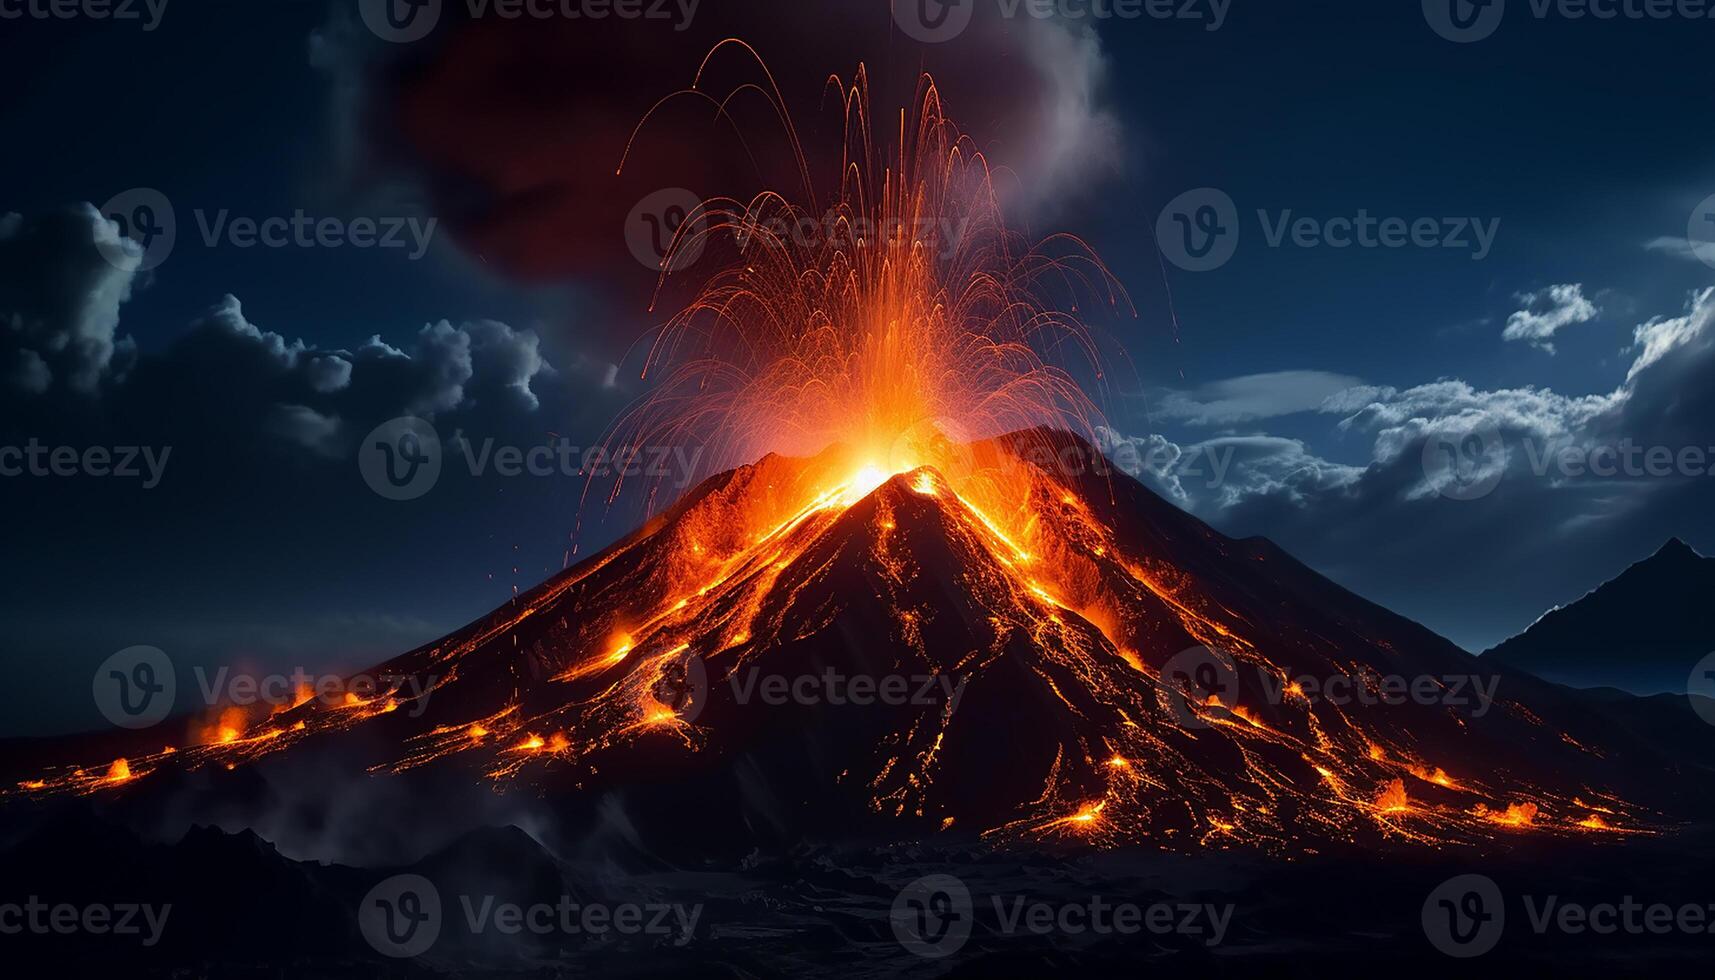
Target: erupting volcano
column 911, row 494
column 1075, row 629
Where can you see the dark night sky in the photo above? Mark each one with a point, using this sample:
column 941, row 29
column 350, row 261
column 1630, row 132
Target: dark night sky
column 1586, row 140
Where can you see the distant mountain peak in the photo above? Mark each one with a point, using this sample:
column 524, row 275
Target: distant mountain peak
column 1640, row 632
column 1676, row 548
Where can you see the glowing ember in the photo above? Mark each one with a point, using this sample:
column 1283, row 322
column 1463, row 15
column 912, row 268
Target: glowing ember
column 1515, row 815
column 1393, row 798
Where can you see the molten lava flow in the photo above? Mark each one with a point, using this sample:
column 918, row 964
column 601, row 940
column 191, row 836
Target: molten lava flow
column 1057, row 593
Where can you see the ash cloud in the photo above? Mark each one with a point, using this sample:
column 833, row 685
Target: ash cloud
column 514, row 128
column 63, row 278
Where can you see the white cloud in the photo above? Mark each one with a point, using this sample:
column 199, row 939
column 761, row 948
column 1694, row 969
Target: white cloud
column 1660, row 336
column 1667, row 398
column 1254, row 396
column 1397, row 417
column 306, row 427
column 1547, row 312
column 1683, row 248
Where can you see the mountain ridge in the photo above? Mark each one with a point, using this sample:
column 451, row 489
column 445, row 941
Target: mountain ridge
column 1641, row 631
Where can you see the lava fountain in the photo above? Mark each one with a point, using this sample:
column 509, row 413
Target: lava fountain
column 898, row 320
